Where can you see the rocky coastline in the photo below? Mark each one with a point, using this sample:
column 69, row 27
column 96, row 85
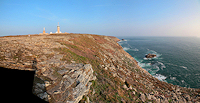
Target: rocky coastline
column 88, row 68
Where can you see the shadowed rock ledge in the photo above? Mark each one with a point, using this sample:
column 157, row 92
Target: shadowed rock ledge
column 69, row 82
column 86, row 68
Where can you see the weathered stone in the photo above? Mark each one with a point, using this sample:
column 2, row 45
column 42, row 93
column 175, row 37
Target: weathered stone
column 114, row 74
column 130, row 87
column 106, row 68
column 41, row 86
column 125, row 87
column 47, row 83
column 133, row 92
column 149, row 97
column 142, row 97
column 61, row 72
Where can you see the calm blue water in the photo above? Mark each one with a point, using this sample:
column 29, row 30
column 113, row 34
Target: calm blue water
column 177, row 61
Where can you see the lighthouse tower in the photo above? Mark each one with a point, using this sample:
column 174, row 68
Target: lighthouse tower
column 58, row 29
column 44, row 31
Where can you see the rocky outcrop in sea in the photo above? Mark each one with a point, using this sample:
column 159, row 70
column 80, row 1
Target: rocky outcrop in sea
column 150, row 55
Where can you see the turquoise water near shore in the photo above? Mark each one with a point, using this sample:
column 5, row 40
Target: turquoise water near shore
column 177, row 61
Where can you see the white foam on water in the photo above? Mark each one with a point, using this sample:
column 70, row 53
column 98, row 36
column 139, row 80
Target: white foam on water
column 182, row 81
column 125, row 48
column 157, row 68
column 162, row 65
column 157, row 56
column 135, row 49
column 160, row 77
column 144, row 64
column 173, row 78
column 152, row 68
column 147, row 58
column 184, row 67
column 152, row 51
column 120, row 42
column 141, row 64
column 149, row 64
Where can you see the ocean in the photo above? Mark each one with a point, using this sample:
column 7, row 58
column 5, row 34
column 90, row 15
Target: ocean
column 177, row 60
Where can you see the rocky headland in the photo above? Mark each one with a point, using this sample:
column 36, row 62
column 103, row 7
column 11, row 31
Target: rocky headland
column 82, row 68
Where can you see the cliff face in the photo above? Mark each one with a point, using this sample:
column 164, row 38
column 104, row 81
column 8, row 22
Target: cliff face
column 84, row 67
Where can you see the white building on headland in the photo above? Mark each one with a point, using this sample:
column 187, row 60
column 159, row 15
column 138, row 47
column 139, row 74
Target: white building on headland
column 57, row 32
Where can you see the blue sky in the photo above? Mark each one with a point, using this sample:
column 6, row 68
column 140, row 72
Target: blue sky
column 104, row 17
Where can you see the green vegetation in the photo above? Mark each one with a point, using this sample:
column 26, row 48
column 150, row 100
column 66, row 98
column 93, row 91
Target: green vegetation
column 70, row 45
column 69, row 56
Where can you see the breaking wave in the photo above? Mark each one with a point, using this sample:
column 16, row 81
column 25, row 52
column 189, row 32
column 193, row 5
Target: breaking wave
column 132, row 49
column 125, row 48
column 153, row 68
column 160, row 77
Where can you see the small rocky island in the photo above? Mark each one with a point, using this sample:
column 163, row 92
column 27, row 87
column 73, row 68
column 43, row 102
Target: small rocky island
column 150, row 55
